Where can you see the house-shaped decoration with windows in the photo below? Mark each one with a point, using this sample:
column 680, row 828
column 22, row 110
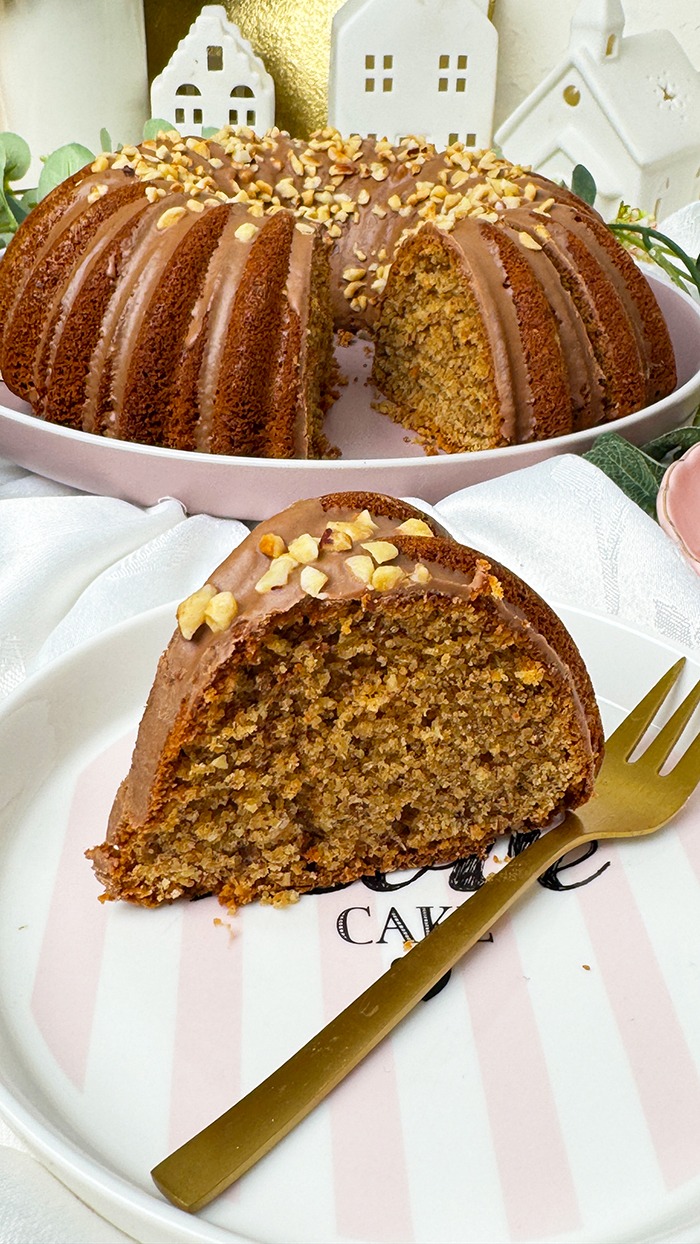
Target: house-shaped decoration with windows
column 626, row 108
column 214, row 78
column 401, row 67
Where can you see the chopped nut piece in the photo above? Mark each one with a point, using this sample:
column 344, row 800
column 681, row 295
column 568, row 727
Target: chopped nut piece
column 220, row 611
column 271, row 545
column 278, row 573
column 528, row 241
column 246, row 231
column 286, row 189
column 170, row 216
column 381, row 550
column 354, row 274
column 414, row 527
column 219, row 763
column 312, row 581
column 361, row 528
column 386, row 577
column 421, row 574
column 101, row 163
column 190, row 613
column 362, row 567
column 336, row 541
column 96, row 193
column 305, row 548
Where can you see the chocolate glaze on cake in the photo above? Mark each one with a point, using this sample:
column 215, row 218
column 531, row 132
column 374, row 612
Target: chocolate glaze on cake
column 178, row 293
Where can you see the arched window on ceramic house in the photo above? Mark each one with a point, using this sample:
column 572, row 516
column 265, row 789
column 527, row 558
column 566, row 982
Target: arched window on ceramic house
column 187, row 110
column 243, row 110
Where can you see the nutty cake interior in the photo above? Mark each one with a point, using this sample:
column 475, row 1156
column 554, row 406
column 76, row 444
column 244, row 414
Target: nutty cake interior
column 352, row 691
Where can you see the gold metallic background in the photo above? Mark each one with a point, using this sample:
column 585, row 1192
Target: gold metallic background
column 291, row 36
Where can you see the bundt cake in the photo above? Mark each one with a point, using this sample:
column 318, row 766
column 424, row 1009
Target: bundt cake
column 351, row 691
column 177, row 293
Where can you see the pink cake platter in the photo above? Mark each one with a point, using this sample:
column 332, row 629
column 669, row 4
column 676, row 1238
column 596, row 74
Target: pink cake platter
column 376, row 454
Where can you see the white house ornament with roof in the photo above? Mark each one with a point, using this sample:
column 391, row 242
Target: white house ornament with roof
column 626, row 107
column 423, row 67
column 214, row 78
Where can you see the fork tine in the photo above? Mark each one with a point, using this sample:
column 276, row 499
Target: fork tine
column 629, row 732
column 686, row 774
column 660, row 748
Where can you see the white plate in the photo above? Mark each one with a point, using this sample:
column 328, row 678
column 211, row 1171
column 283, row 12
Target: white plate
column 551, row 1091
column 377, row 455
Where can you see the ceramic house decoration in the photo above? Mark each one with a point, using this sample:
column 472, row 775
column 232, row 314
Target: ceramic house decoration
column 402, row 67
column 214, row 78
column 627, row 107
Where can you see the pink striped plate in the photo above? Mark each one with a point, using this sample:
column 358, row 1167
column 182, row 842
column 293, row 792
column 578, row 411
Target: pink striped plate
column 549, row 1092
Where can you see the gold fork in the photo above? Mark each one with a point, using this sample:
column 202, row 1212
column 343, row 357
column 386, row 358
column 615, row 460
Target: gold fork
column 630, row 799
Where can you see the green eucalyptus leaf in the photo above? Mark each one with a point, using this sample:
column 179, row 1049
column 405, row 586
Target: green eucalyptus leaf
column 61, row 164
column 154, row 125
column 8, row 224
column 29, row 198
column 583, row 184
column 105, row 140
column 208, row 131
column 672, row 444
column 19, row 211
column 17, row 156
column 637, row 475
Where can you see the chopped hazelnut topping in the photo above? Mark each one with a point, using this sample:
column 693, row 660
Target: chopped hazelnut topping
column 361, row 528
column 190, row 613
column 336, row 541
column 246, row 231
column 220, row 611
column 530, row 243
column 362, row 567
column 100, row 164
column 386, row 577
column 272, row 545
column 354, row 274
column 278, row 573
column 96, row 193
column 381, row 550
column 421, row 574
column 169, row 217
column 304, row 549
column 364, row 519
column 312, row 581
column 286, row 188
column 414, row 527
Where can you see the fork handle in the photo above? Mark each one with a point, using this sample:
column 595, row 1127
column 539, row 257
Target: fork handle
column 217, row 1156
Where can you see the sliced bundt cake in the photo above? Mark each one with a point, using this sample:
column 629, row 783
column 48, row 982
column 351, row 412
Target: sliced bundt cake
column 352, row 690
column 178, row 294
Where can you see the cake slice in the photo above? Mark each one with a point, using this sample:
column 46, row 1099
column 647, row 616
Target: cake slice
column 351, row 691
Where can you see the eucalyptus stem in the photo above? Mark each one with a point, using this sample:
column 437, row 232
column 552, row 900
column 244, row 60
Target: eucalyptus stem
column 648, row 237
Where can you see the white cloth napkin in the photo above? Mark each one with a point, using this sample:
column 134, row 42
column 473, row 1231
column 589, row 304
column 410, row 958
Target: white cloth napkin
column 72, row 565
